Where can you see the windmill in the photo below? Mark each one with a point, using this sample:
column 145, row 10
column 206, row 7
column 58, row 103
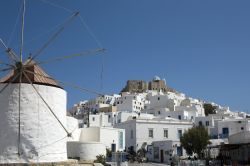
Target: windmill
column 28, row 92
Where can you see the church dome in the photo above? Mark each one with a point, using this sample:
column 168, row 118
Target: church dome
column 157, row 78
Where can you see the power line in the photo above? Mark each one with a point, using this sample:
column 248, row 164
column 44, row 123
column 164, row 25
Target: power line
column 15, row 25
column 57, row 6
column 68, row 84
column 86, row 53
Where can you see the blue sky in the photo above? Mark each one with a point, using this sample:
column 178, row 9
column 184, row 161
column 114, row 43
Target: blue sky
column 200, row 47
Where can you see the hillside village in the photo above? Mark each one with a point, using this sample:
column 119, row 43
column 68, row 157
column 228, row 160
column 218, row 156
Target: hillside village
column 147, row 121
column 153, row 116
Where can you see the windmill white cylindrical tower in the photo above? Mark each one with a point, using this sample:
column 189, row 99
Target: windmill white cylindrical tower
column 41, row 137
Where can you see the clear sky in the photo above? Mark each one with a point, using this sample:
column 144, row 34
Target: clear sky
column 202, row 48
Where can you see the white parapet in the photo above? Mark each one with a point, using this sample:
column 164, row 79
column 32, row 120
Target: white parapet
column 86, row 151
column 42, row 137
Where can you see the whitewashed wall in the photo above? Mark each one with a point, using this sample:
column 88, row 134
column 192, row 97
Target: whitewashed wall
column 72, row 126
column 140, row 129
column 104, row 135
column 86, row 151
column 111, row 135
column 240, row 138
column 42, row 137
column 130, row 132
column 234, row 125
column 168, row 147
column 91, row 134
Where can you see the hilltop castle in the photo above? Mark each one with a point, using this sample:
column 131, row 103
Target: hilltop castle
column 139, row 86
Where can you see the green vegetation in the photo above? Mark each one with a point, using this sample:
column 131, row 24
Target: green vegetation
column 195, row 140
column 209, row 108
column 100, row 159
column 108, row 153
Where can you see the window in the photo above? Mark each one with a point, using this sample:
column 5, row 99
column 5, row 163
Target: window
column 121, row 140
column 207, row 123
column 158, row 98
column 179, row 133
column 131, row 134
column 200, row 123
column 150, row 133
column 109, row 120
column 242, row 128
column 165, row 133
column 159, row 112
column 179, row 117
column 93, row 118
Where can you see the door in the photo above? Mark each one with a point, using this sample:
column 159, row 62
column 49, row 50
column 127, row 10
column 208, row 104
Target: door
column 179, row 151
column 113, row 147
column 225, row 132
column 162, row 156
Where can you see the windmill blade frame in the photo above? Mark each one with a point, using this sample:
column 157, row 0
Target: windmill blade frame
column 86, row 53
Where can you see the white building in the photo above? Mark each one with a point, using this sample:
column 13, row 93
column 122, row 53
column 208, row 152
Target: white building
column 164, row 151
column 209, row 123
column 144, row 131
column 222, row 126
column 77, row 110
column 158, row 100
column 174, row 102
column 94, row 141
column 112, row 138
column 109, row 119
column 93, row 105
column 179, row 114
column 101, row 120
column 228, row 127
column 130, row 102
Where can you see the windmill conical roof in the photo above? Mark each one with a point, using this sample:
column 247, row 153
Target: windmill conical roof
column 34, row 72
